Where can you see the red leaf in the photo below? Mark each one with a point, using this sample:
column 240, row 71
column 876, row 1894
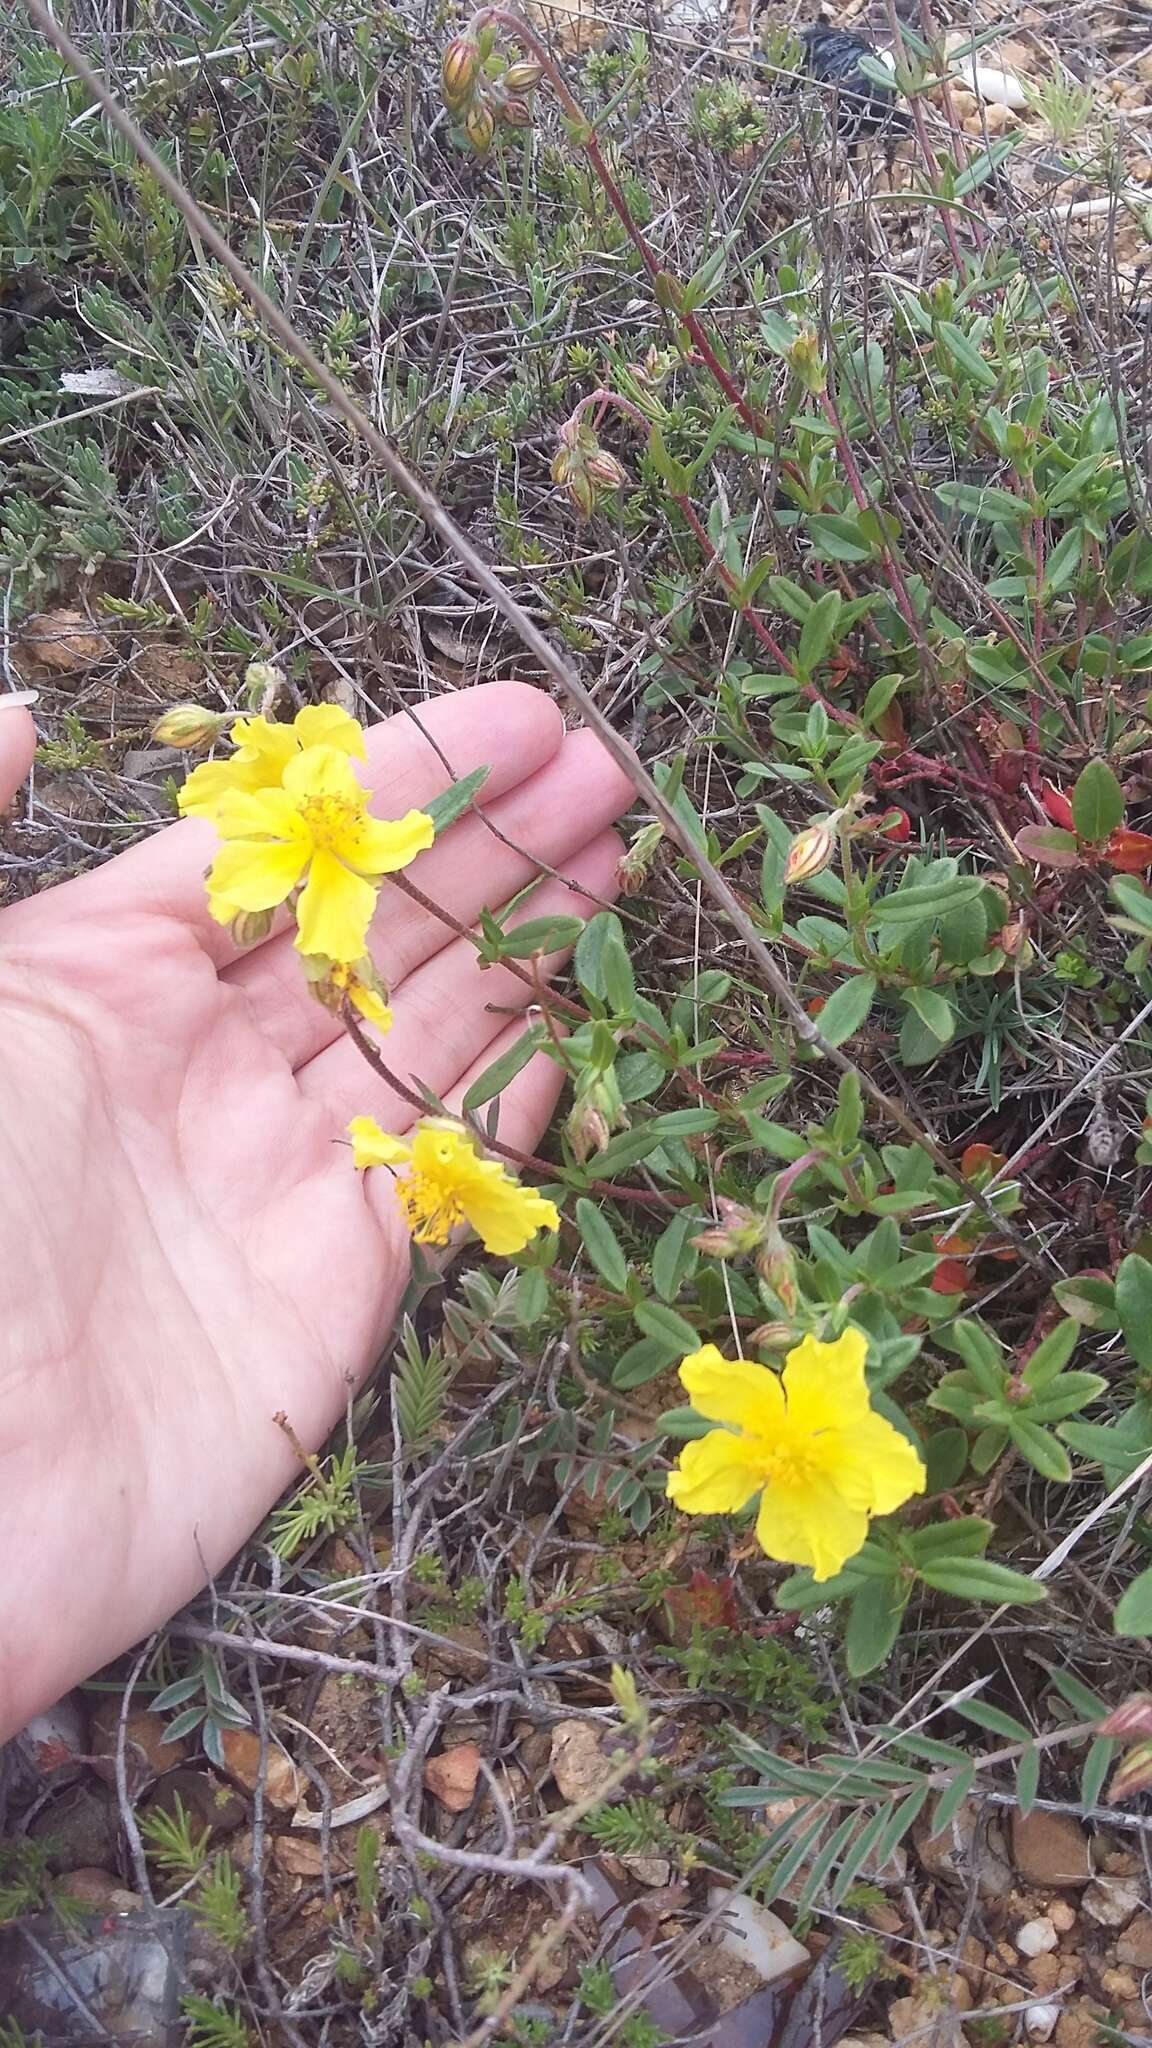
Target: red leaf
column 980, row 1162
column 1050, row 845
column 950, row 1277
column 1057, row 806
column 1131, row 852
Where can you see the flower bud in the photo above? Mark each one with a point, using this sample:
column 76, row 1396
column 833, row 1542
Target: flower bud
column 776, row 1265
column 480, row 127
column 251, row 927
column 263, row 680
column 586, row 1129
column 523, row 76
column 334, row 983
column 516, row 113
column 1132, row 1774
column 581, row 491
column 810, row 852
column 636, row 860
column 1132, row 1717
column 774, row 1337
column 606, row 473
column 190, row 725
column 805, row 361
column 738, row 1231
column 458, row 72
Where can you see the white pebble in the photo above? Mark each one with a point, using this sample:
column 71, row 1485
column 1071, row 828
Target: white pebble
column 1036, row 1938
column 1041, row 2021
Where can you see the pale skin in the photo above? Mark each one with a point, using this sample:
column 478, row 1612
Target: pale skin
column 185, row 1247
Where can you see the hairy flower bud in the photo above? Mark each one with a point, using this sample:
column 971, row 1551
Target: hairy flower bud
column 523, row 76
column 1133, row 1774
column 251, row 927
column 479, row 127
column 516, row 113
column 586, row 1129
column 263, row 681
column 1132, row 1717
column 805, row 360
column 458, row 72
column 190, row 725
column 738, row 1231
column 636, row 860
column 776, row 1265
column 606, row 473
column 810, row 852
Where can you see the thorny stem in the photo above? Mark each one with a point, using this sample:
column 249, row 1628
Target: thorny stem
column 533, row 638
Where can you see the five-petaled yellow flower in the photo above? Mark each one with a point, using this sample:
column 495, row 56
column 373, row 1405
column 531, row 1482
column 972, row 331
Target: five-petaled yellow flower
column 313, row 833
column 263, row 751
column 808, row 1441
column 449, row 1182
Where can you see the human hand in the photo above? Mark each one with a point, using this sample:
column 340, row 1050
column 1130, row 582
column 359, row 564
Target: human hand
column 184, row 1249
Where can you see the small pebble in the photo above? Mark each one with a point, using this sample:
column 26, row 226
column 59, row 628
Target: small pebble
column 1036, row 1938
column 1041, row 2021
column 1062, row 1915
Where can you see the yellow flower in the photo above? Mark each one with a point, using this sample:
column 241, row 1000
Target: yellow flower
column 263, row 751
column 449, row 1182
column 313, row 831
column 808, row 1442
column 334, row 983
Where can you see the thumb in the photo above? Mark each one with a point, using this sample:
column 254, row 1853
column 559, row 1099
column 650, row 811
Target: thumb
column 17, row 740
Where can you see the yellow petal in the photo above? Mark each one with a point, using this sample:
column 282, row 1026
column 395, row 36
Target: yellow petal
column 260, row 814
column 733, row 1390
column 504, row 1215
column 264, row 744
column 892, row 1465
column 204, row 789
column 256, row 874
column 810, row 1524
column 322, row 771
column 373, row 1147
column 825, row 1383
column 715, row 1474
column 381, row 846
column 335, row 909
column 325, row 725
column 371, row 1005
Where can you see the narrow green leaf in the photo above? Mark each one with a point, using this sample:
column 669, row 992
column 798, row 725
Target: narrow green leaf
column 673, row 1258
column 1042, row 1450
column 1097, row 1765
column 873, row 1625
column 906, row 1813
column 505, row 1069
column 952, row 1799
column 978, row 1578
column 967, row 1536
column 1134, row 1306
column 1051, row 1354
column 683, row 1423
column 1028, row 1779
column 838, row 1844
column 993, row 1718
column 657, row 1320
column 641, row 1362
column 602, row 1244
column 924, row 900
column 795, row 1858
column 818, row 632
column 966, row 355
column 1088, row 1704
column 540, row 935
column 984, row 501
column 934, row 1011
column 455, row 800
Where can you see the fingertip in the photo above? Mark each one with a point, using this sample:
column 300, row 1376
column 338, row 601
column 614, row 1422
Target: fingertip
column 17, row 747
column 592, row 762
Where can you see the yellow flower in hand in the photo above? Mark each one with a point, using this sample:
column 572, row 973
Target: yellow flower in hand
column 808, row 1442
column 449, row 1183
column 263, row 751
column 313, row 831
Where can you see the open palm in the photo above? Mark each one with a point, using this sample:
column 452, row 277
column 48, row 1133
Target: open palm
column 185, row 1248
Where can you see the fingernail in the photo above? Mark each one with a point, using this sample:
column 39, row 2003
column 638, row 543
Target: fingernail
column 10, row 699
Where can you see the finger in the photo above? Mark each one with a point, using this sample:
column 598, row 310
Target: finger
column 17, row 742
column 526, row 1107
column 450, row 1010
column 556, row 812
column 510, row 727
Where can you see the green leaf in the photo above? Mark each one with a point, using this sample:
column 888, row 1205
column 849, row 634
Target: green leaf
column 818, row 632
column 994, row 1719
column 874, row 1619
column 1028, row 1779
column 1133, row 1616
column 1097, row 802
column 965, row 353
column 965, row 1537
column 531, row 1297
column 1041, row 1448
column 641, row 1362
column 454, row 801
column 1063, row 564
column 983, row 164
column 923, row 900
column 1051, row 1355
column 506, row 1068
column 980, row 1351
column 601, row 962
column 683, row 1423
column 540, row 935
column 602, row 1244
column 1067, row 1394
column 847, row 1008
column 1097, row 1765
column 673, row 1258
column 935, row 1013
column 657, row 1320
column 951, row 1800
column 984, row 501
column 977, row 1578
column 837, row 537
column 945, row 1456
column 1134, row 1306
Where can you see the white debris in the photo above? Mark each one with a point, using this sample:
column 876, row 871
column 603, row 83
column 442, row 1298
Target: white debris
column 1036, row 1938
